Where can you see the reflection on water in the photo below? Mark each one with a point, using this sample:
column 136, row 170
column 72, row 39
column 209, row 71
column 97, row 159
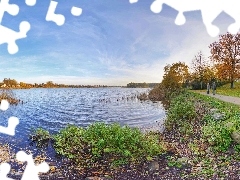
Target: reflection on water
column 53, row 109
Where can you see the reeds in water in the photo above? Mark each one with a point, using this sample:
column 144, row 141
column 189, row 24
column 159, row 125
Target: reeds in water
column 7, row 94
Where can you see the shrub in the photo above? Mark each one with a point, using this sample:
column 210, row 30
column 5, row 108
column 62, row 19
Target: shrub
column 113, row 143
column 181, row 111
column 41, row 137
column 143, row 97
column 69, row 142
column 157, row 94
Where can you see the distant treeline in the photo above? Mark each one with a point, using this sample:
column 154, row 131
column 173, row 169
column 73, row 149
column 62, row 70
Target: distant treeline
column 12, row 83
column 141, row 85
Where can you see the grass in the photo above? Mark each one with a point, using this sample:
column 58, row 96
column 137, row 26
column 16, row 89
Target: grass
column 226, row 90
column 215, row 131
column 205, row 141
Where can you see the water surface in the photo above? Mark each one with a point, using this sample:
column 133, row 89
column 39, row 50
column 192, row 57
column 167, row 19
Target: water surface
column 53, row 109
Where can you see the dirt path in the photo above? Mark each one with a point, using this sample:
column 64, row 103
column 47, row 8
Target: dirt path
column 234, row 100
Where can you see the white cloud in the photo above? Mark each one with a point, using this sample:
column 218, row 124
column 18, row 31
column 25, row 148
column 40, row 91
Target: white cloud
column 111, row 47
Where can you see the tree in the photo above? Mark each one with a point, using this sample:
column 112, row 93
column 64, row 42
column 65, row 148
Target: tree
column 226, row 54
column 175, row 75
column 49, row 84
column 201, row 70
column 10, row 82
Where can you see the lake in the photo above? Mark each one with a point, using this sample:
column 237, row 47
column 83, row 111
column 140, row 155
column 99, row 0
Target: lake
column 53, row 109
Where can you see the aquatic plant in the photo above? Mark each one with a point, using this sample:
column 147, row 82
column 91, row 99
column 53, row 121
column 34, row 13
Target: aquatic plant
column 7, row 94
column 41, row 137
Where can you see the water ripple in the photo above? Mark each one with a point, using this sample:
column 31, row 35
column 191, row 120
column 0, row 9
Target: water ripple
column 53, row 109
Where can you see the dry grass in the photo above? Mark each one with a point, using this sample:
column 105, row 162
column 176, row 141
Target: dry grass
column 5, row 155
column 7, row 94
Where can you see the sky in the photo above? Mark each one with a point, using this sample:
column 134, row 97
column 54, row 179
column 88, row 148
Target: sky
column 112, row 42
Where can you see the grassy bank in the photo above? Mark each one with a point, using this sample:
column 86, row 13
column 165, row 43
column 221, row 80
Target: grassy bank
column 200, row 140
column 102, row 149
column 203, row 133
column 225, row 90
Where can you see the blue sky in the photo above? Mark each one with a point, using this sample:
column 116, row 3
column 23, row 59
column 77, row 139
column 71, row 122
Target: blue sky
column 113, row 42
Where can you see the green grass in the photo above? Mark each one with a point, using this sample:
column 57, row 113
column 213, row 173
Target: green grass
column 226, row 90
column 215, row 131
column 182, row 113
column 227, row 86
column 208, row 140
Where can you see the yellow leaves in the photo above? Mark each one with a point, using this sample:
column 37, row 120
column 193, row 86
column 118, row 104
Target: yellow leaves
column 225, row 53
column 175, row 75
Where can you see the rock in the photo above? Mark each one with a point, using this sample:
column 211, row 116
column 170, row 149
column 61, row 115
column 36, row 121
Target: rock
column 236, row 136
column 153, row 166
column 98, row 178
column 208, row 150
column 93, row 178
column 212, row 111
column 218, row 116
column 199, row 169
column 183, row 160
column 228, row 125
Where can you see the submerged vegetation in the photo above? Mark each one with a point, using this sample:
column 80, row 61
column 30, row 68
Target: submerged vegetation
column 7, row 94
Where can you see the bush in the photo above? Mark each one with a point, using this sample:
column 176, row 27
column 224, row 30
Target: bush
column 143, row 97
column 181, row 111
column 157, row 94
column 69, row 142
column 41, row 137
column 113, row 143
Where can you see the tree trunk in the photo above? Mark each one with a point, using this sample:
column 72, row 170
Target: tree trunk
column 231, row 84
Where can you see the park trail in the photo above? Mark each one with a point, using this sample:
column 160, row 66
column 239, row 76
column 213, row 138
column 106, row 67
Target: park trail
column 230, row 99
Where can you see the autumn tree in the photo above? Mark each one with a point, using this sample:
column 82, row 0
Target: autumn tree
column 175, row 75
column 49, row 84
column 202, row 72
column 10, row 82
column 226, row 55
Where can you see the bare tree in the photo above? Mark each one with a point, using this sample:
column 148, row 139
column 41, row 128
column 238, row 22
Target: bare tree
column 201, row 70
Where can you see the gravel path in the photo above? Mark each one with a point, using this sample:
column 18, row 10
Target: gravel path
column 230, row 99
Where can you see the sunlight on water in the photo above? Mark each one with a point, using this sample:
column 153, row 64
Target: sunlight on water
column 53, row 109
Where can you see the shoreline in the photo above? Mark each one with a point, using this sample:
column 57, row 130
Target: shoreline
column 187, row 156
